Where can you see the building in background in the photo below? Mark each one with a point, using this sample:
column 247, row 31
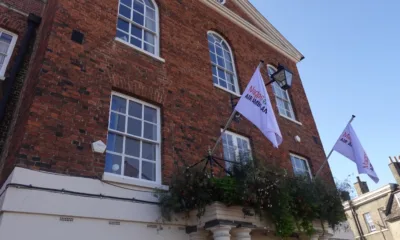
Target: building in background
column 151, row 79
column 376, row 215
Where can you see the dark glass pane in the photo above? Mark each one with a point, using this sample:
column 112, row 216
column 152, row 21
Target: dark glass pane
column 222, row 83
column 114, row 142
column 131, row 167
column 113, row 163
column 124, row 11
column 132, row 147
column 148, row 48
column 117, row 122
column 137, row 32
column 118, row 104
column 213, row 59
column 148, row 171
column 138, row 6
column 123, row 25
column 123, row 36
column 150, row 24
column 150, row 131
column 149, row 151
column 221, row 74
column 135, row 109
column 221, row 62
column 135, row 127
column 138, row 18
column 127, row 2
column 4, row 37
column 150, row 114
column 136, row 42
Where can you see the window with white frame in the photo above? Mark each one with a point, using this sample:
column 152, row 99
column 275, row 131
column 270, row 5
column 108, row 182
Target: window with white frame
column 138, row 24
column 7, row 44
column 236, row 148
column 221, row 1
column 282, row 97
column 300, row 166
column 369, row 222
column 223, row 66
column 133, row 143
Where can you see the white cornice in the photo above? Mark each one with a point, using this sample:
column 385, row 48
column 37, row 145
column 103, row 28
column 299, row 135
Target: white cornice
column 368, row 197
column 266, row 32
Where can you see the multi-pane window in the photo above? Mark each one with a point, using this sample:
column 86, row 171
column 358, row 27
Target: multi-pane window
column 282, row 97
column 369, row 222
column 300, row 166
column 138, row 24
column 7, row 43
column 236, row 148
column 133, row 143
column 223, row 67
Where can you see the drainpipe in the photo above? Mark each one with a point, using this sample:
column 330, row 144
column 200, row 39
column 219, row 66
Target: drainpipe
column 33, row 23
column 357, row 221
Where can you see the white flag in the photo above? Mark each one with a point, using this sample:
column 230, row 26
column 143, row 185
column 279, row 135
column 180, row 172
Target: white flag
column 349, row 146
column 256, row 107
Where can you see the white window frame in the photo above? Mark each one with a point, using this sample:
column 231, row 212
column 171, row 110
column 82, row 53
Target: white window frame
column 222, row 1
column 9, row 52
column 369, row 222
column 235, row 136
column 301, row 158
column 236, row 83
column 130, row 180
column 156, row 33
column 275, row 86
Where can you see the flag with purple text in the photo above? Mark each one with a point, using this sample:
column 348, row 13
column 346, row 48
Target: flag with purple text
column 255, row 105
column 349, row 146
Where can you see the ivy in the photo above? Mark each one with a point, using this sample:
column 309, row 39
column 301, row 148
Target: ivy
column 292, row 203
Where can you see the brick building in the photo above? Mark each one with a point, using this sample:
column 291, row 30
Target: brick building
column 153, row 80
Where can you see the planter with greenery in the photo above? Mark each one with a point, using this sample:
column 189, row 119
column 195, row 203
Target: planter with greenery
column 292, row 203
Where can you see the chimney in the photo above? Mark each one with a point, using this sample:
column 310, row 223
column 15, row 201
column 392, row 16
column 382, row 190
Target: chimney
column 394, row 166
column 361, row 187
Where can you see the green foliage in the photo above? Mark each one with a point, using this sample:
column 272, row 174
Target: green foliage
column 292, row 203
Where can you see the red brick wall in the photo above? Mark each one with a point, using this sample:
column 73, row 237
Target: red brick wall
column 71, row 103
column 16, row 127
column 27, row 6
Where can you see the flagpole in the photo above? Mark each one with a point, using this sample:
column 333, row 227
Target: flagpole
column 330, row 153
column 227, row 124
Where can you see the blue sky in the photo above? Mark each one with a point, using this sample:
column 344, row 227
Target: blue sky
column 351, row 51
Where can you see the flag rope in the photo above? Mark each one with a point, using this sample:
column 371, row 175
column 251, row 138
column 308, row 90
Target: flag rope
column 330, row 153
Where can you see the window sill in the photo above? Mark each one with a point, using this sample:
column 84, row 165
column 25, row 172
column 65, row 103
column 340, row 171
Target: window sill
column 226, row 90
column 2, row 78
column 141, row 50
column 297, row 122
column 130, row 181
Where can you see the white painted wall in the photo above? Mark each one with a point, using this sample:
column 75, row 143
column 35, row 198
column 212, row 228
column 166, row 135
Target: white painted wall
column 35, row 214
column 15, row 226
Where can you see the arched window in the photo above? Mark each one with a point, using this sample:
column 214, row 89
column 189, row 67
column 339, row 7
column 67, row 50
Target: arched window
column 138, row 24
column 221, row 1
column 282, row 97
column 223, row 67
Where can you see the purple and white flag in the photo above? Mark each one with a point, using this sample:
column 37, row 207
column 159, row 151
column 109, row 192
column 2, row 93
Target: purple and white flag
column 349, row 146
column 256, row 107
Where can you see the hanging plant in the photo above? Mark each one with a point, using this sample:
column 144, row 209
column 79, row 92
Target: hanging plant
column 292, row 203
